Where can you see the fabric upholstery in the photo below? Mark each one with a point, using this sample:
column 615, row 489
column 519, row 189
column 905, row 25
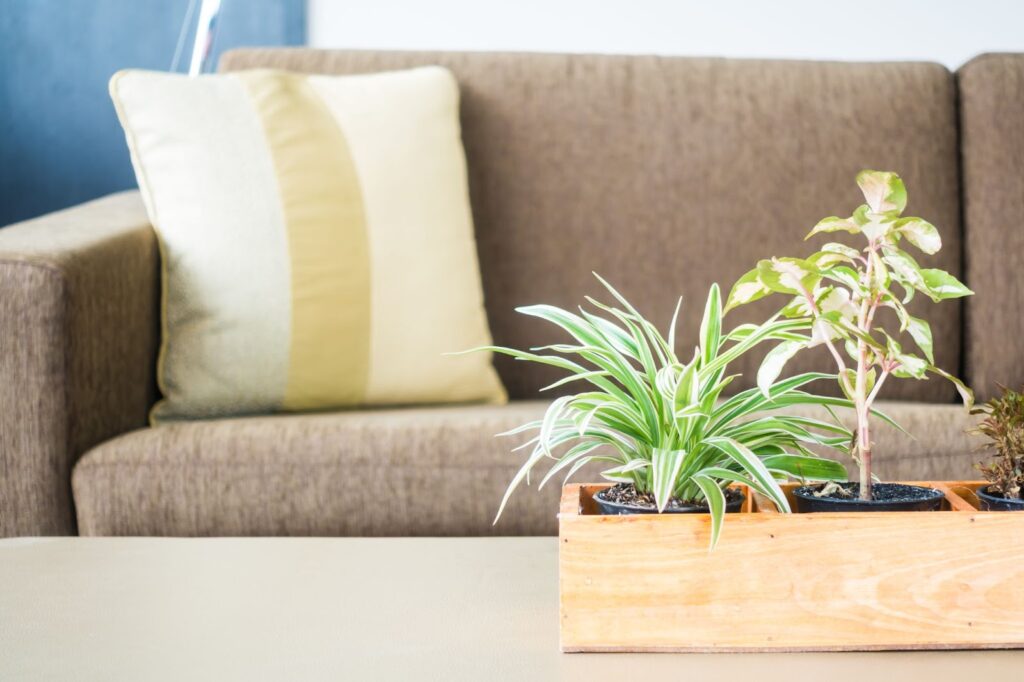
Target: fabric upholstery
column 317, row 240
column 78, row 301
column 665, row 174
column 416, row 471
column 992, row 148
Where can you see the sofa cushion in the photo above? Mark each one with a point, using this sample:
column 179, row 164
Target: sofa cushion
column 418, row 471
column 664, row 174
column 317, row 240
column 992, row 123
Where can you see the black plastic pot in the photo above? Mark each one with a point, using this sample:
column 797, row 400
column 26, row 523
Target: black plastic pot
column 806, row 502
column 990, row 502
column 609, row 508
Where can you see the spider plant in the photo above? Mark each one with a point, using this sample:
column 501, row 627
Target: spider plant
column 659, row 423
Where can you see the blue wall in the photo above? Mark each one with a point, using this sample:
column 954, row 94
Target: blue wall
column 60, row 142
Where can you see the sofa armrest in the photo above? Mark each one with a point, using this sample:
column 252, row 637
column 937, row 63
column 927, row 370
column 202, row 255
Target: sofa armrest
column 79, row 312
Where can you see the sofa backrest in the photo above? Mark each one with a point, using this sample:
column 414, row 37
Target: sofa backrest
column 992, row 145
column 667, row 174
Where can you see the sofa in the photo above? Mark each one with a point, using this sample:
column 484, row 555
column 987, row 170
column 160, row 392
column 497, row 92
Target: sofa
column 662, row 174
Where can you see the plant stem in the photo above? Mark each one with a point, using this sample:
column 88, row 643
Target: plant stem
column 862, row 400
column 864, row 446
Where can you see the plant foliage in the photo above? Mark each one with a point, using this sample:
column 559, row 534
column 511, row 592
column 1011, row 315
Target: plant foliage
column 1003, row 426
column 660, row 423
column 840, row 288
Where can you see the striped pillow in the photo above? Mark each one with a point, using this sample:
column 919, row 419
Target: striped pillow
column 316, row 237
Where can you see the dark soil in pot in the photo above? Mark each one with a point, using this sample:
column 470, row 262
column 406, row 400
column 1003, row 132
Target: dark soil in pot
column 887, row 497
column 622, row 498
column 992, row 501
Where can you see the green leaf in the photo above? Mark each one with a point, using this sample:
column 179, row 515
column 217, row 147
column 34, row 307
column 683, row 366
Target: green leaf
column 843, row 249
column 788, row 275
column 747, row 289
column 797, row 307
column 879, row 273
column 576, row 452
column 672, row 327
column 823, row 260
column 920, row 233
column 623, row 473
column 921, row 332
column 711, row 325
column 883, row 191
column 861, row 215
column 750, row 463
column 845, row 276
column 837, row 300
column 848, row 382
column 834, row 224
column 537, row 455
column 910, row 367
column 666, row 465
column 807, row 468
column 879, row 226
column 774, row 361
column 906, row 269
column 716, row 504
column 966, row 394
column 940, row 285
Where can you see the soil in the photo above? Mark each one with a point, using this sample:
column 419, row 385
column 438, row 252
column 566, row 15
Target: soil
column 626, row 493
column 880, row 492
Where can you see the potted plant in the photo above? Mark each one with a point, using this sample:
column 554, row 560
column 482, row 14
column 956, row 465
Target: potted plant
column 670, row 444
column 840, row 288
column 1003, row 426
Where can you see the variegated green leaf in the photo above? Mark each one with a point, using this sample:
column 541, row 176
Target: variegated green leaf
column 753, row 465
column 966, row 394
column 910, row 367
column 920, row 233
column 665, row 468
column 747, row 289
column 883, row 191
column 716, row 505
column 921, row 332
column 807, row 468
column 941, row 285
column 842, row 249
column 788, row 275
column 623, row 473
column 711, row 325
column 906, row 269
column 834, row 224
column 774, row 361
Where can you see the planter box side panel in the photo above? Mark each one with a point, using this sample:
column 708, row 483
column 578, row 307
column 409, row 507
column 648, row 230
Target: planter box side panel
column 791, row 582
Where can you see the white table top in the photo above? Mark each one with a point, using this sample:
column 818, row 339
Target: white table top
column 347, row 609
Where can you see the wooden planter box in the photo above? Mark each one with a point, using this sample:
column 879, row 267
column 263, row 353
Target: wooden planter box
column 952, row 579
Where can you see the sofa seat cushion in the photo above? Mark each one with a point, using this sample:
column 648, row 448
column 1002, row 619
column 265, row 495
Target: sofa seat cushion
column 414, row 471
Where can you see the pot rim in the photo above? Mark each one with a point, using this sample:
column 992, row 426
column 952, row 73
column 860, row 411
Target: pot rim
column 983, row 491
column 936, row 495
column 688, row 509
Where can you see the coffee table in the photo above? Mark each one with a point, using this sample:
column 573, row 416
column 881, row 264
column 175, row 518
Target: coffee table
column 347, row 609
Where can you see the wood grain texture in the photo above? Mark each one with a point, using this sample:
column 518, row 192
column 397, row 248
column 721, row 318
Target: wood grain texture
column 791, row 582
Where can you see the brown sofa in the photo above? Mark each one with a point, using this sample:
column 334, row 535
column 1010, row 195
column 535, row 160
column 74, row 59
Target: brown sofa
column 662, row 174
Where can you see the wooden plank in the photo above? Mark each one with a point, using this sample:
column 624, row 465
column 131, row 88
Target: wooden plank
column 793, row 582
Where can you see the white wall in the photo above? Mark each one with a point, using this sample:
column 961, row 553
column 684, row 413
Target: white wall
column 947, row 31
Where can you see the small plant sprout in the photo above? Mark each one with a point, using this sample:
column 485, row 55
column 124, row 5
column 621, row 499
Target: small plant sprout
column 1003, row 426
column 660, row 423
column 841, row 288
